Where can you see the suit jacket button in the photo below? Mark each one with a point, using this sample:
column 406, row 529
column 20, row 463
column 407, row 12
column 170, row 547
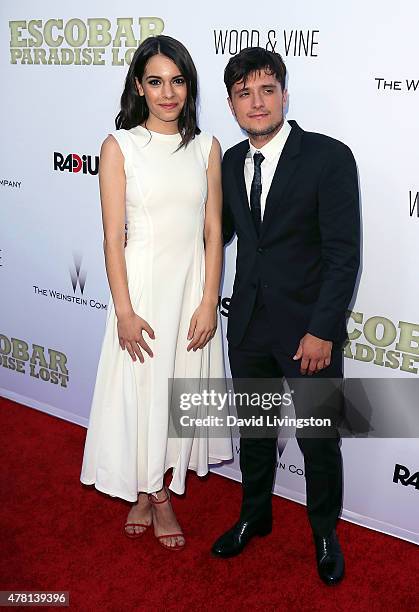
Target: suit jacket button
column 265, row 285
column 260, row 250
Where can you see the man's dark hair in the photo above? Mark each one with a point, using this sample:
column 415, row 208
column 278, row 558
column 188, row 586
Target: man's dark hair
column 251, row 60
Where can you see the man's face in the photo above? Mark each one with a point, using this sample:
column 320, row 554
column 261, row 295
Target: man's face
column 258, row 105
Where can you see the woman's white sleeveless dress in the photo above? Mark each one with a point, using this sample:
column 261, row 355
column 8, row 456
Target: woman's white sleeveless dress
column 127, row 446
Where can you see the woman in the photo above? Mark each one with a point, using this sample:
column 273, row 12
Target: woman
column 160, row 170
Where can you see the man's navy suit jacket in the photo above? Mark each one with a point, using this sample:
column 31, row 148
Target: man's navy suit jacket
column 306, row 257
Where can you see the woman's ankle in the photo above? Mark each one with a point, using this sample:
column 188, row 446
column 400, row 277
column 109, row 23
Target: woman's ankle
column 142, row 499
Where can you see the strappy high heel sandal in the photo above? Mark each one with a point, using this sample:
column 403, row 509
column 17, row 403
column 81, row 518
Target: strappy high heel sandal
column 153, row 499
column 134, row 534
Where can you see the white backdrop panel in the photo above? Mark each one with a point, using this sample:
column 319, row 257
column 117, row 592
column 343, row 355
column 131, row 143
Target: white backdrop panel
column 51, row 222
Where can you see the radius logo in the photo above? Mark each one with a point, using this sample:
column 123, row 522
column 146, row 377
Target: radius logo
column 86, row 164
column 404, row 476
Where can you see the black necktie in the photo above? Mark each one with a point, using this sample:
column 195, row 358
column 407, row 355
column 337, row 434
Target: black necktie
column 256, row 191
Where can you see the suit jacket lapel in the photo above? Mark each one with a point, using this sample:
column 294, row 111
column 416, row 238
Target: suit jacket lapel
column 285, row 168
column 241, row 186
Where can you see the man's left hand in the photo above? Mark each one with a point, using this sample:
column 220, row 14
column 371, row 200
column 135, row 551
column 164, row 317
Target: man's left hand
column 314, row 354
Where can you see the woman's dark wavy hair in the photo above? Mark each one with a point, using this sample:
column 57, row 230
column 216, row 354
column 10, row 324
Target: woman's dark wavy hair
column 134, row 109
column 251, row 60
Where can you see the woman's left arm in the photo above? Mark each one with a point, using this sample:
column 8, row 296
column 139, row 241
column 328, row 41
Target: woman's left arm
column 204, row 320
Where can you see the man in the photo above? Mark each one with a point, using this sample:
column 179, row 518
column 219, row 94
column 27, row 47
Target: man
column 291, row 197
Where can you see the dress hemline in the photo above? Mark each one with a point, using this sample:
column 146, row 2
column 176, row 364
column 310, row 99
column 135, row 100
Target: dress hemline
column 124, row 496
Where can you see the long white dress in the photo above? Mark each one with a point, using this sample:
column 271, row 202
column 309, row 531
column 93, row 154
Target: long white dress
column 127, row 446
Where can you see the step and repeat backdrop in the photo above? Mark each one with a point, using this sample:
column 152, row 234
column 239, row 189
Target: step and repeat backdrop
column 353, row 74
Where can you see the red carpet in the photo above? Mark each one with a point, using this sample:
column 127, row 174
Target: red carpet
column 57, row 534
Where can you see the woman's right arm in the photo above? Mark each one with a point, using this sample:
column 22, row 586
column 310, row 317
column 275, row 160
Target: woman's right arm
column 112, row 184
column 112, row 197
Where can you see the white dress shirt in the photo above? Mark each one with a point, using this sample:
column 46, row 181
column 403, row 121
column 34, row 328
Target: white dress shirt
column 271, row 151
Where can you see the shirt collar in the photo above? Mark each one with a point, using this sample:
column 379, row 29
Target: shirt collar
column 273, row 148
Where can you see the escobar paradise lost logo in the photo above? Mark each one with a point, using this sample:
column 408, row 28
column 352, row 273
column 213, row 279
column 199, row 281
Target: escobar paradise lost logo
column 91, row 42
column 374, row 339
column 46, row 364
column 380, row 341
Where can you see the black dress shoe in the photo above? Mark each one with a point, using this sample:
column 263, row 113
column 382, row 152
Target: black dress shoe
column 330, row 561
column 235, row 539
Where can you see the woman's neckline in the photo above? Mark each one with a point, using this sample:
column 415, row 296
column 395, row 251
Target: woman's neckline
column 160, row 134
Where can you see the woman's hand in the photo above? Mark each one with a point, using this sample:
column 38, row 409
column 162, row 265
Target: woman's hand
column 130, row 333
column 203, row 326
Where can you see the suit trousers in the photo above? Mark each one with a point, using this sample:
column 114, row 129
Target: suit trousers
column 258, row 357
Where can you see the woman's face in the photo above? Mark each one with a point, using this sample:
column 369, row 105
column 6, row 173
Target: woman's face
column 165, row 91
